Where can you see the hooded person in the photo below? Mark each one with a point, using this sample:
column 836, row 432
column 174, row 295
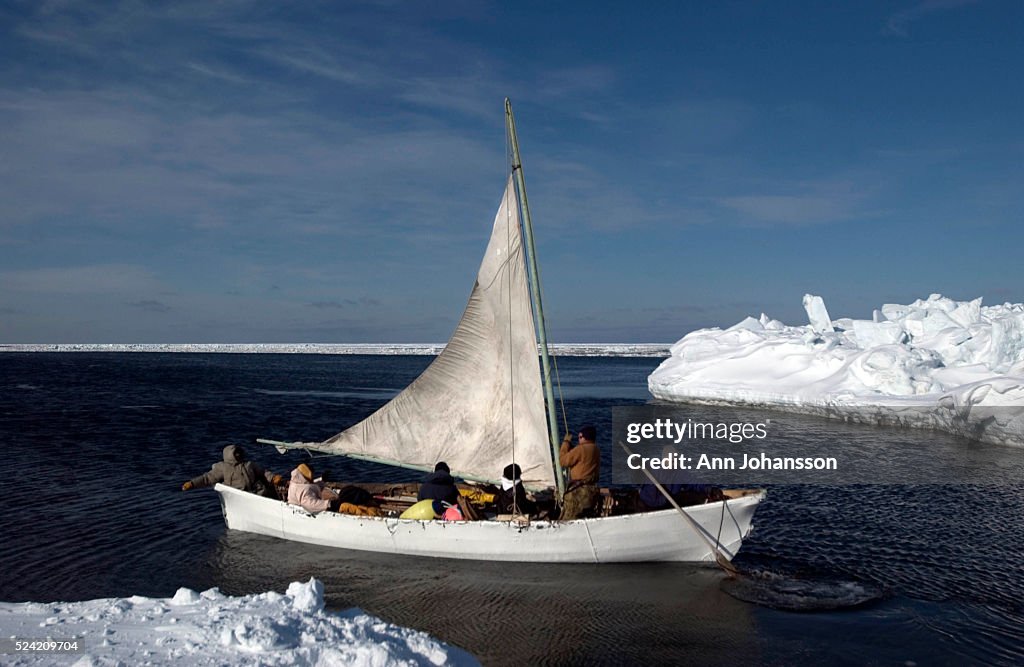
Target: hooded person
column 439, row 485
column 307, row 494
column 238, row 472
column 512, row 498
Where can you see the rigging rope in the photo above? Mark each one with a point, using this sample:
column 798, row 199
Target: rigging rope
column 559, row 499
column 721, row 523
column 561, row 401
column 558, row 380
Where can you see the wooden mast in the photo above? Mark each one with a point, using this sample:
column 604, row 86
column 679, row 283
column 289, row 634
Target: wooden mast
column 535, row 296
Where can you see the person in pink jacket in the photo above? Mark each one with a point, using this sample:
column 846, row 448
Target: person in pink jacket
column 307, row 494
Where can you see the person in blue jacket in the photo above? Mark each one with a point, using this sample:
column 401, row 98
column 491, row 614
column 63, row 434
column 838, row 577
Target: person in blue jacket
column 439, row 485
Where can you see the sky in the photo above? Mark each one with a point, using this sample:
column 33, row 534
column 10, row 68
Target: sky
column 329, row 171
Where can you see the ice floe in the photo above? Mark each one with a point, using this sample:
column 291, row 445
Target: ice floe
column 210, row 628
column 935, row 363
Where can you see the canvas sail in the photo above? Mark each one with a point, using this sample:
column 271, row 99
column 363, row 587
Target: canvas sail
column 479, row 405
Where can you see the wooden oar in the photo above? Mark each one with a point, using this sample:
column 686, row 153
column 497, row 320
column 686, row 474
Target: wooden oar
column 720, row 558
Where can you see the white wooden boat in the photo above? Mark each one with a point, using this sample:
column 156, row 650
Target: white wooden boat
column 647, row 536
column 484, row 402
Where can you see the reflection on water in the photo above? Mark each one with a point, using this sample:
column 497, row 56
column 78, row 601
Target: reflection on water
column 514, row 614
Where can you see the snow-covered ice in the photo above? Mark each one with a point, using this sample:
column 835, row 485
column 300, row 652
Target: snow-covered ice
column 210, row 628
column 935, row 363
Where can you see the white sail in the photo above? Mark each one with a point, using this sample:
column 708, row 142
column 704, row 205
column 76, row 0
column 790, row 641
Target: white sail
column 479, row 405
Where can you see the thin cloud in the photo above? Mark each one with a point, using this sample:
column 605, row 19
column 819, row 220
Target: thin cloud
column 312, row 61
column 573, row 195
column 218, row 74
column 898, row 23
column 114, row 158
column 802, row 203
column 473, row 96
column 574, row 82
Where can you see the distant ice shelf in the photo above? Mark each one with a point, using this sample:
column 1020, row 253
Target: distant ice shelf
column 935, row 363
column 562, row 349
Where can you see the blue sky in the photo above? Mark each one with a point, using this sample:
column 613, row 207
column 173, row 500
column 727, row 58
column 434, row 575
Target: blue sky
column 328, row 172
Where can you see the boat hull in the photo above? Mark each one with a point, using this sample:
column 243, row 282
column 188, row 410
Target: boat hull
column 649, row 536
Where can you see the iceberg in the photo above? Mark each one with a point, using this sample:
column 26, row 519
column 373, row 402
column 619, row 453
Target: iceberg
column 211, row 628
column 934, row 363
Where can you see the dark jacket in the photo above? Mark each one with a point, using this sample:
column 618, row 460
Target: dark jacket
column 684, row 494
column 653, row 499
column 239, row 474
column 504, row 500
column 439, row 485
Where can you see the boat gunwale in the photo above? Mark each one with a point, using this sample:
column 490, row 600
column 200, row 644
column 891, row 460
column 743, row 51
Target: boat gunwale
column 746, row 496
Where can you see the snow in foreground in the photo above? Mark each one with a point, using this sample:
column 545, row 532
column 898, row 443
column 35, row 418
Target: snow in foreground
column 213, row 629
column 937, row 363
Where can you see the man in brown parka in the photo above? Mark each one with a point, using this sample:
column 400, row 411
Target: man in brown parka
column 584, row 464
column 237, row 472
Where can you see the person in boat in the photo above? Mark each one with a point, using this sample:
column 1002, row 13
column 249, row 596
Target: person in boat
column 238, row 472
column 584, row 464
column 512, row 497
column 651, row 499
column 439, row 485
column 308, row 494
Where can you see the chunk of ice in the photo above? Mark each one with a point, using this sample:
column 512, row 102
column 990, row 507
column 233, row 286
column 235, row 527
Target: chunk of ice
column 817, row 314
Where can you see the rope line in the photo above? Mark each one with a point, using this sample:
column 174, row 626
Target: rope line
column 558, row 381
column 721, row 523
column 561, row 401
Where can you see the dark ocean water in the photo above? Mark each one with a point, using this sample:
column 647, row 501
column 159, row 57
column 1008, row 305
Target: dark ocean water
column 96, row 446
